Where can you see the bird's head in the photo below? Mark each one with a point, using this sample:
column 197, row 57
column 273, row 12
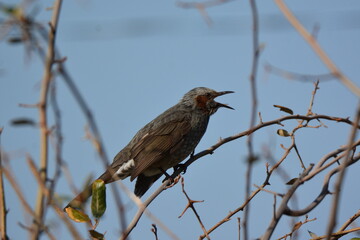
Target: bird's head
column 202, row 99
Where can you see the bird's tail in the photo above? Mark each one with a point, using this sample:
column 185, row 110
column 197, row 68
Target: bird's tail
column 81, row 198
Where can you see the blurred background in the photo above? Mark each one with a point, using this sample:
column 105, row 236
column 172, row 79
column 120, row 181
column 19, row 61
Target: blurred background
column 132, row 60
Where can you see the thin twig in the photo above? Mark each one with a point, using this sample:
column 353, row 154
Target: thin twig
column 50, row 56
column 316, row 87
column 296, row 227
column 324, row 191
column 9, row 176
column 349, row 221
column 58, row 141
column 317, row 48
column 142, row 208
column 53, row 204
column 282, row 207
column 338, row 234
column 154, row 230
column 202, row 6
column 239, row 228
column 3, row 210
column 297, row 76
column 336, row 197
column 253, row 76
column 190, row 204
column 253, row 194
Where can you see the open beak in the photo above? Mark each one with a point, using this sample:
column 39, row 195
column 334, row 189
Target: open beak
column 221, row 104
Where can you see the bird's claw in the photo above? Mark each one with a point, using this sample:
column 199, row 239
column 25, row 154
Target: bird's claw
column 173, row 182
column 180, row 165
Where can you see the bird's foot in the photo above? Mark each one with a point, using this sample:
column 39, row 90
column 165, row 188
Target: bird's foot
column 173, row 182
column 180, row 165
column 167, row 176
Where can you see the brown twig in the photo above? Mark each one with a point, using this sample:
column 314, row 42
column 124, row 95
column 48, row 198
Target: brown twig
column 317, row 48
column 316, row 87
column 297, row 76
column 190, row 204
column 258, row 127
column 3, row 210
column 201, row 7
column 324, row 191
column 58, row 141
column 338, row 234
column 349, row 221
column 142, row 208
column 254, row 101
column 47, row 192
column 283, row 205
column 50, row 56
column 296, row 227
column 253, row 194
column 9, row 176
column 347, row 159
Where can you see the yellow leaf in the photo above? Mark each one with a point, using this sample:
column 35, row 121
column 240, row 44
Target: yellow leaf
column 77, row 215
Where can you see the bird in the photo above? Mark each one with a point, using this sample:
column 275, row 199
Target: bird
column 161, row 144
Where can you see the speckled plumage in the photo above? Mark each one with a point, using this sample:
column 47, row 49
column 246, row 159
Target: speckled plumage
column 162, row 143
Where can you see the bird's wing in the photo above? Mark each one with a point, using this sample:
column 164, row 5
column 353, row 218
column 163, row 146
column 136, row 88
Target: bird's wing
column 158, row 143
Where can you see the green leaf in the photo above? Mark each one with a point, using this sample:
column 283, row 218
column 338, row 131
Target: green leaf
column 96, row 235
column 98, row 202
column 77, row 215
column 283, row 133
column 285, row 109
column 355, row 239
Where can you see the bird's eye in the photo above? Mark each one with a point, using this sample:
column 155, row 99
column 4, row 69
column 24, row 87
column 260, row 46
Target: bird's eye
column 208, row 95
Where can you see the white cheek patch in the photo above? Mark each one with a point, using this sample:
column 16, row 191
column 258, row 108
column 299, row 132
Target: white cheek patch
column 125, row 169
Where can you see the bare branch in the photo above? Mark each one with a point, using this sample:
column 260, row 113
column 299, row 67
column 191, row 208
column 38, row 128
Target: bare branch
column 191, row 205
column 48, row 75
column 53, row 204
column 323, row 193
column 253, row 194
column 297, row 76
column 9, row 176
column 338, row 234
column 317, row 48
column 340, row 179
column 253, row 76
column 3, row 210
column 349, row 221
column 281, row 209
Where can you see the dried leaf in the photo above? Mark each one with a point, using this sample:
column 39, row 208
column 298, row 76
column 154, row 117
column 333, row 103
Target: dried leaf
column 292, row 181
column 297, row 226
column 98, row 201
column 285, row 109
column 77, row 215
column 22, row 121
column 283, row 133
column 96, row 235
column 15, row 40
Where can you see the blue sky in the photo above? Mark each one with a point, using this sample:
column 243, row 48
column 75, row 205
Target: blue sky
column 131, row 60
